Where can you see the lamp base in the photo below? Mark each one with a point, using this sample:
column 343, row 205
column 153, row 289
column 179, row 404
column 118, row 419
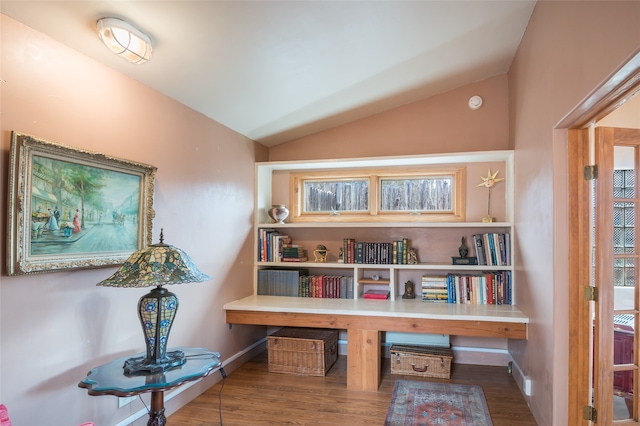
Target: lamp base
column 142, row 365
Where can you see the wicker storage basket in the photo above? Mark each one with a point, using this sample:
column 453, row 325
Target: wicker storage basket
column 425, row 361
column 302, row 351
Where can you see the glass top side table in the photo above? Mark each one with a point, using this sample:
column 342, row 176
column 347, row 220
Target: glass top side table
column 109, row 379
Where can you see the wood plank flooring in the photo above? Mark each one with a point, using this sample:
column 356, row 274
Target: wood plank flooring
column 252, row 396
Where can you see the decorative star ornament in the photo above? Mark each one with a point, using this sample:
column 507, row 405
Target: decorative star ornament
column 490, row 180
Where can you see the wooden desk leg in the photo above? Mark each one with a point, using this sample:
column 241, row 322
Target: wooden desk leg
column 363, row 360
column 156, row 416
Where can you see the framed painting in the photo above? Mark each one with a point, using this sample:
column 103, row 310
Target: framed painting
column 70, row 208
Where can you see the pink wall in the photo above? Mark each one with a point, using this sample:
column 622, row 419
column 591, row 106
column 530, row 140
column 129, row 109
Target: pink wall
column 55, row 326
column 569, row 48
column 442, row 123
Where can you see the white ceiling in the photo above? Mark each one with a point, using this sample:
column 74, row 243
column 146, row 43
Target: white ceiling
column 278, row 70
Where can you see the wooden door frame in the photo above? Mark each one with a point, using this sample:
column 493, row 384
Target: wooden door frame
column 579, row 276
column 622, row 85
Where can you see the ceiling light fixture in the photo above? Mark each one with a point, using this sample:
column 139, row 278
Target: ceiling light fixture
column 125, row 40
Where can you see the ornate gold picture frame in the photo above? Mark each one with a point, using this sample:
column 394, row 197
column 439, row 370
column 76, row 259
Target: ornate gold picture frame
column 70, row 208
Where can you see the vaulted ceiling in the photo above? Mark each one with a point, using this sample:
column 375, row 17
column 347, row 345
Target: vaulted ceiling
column 278, row 70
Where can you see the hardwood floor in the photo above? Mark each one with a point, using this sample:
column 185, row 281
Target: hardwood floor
column 252, row 396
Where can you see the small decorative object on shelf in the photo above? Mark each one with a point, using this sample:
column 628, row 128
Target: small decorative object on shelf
column 412, row 257
column 463, row 250
column 341, row 255
column 320, row 253
column 278, row 212
column 409, row 290
column 489, row 182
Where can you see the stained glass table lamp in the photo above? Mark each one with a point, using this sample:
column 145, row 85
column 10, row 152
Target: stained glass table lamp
column 157, row 265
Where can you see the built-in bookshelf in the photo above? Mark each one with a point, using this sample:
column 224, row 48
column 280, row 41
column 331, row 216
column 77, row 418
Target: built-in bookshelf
column 490, row 244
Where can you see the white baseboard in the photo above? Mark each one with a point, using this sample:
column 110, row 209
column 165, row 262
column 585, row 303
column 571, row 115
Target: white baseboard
column 480, row 356
column 524, row 382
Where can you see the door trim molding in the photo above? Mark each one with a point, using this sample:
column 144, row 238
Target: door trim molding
column 579, row 277
column 616, row 89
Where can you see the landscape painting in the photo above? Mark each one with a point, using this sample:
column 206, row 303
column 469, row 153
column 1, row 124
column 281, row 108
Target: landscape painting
column 72, row 208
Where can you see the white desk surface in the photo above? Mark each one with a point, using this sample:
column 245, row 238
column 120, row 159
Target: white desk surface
column 381, row 308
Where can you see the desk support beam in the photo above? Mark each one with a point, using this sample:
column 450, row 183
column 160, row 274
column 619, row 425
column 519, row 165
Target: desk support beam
column 454, row 327
column 363, row 359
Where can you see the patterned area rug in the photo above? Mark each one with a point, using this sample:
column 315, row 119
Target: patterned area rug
column 417, row 403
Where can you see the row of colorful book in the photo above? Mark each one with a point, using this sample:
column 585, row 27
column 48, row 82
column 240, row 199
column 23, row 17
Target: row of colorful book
column 276, row 247
column 435, row 288
column 326, row 286
column 493, row 249
column 280, row 282
column 298, row 283
column 488, row 288
column 382, row 253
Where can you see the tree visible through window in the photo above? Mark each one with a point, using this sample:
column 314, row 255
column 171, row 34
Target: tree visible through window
column 336, row 196
column 391, row 194
column 416, row 194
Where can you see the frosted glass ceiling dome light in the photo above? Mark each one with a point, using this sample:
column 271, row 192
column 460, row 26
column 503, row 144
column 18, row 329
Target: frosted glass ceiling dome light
column 125, row 40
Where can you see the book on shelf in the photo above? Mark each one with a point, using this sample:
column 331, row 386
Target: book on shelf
column 326, row 286
column 405, row 251
column 479, row 249
column 394, row 252
column 293, row 253
column 434, row 299
column 435, row 288
column 276, row 247
column 434, row 295
column 279, row 282
column 296, row 252
column 374, row 280
column 269, row 244
column 489, row 288
column 376, row 294
column 493, row 249
column 434, row 281
column 379, row 253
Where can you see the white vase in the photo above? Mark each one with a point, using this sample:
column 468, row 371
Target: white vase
column 278, row 212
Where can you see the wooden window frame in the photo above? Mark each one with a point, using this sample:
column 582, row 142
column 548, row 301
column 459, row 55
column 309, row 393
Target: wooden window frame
column 457, row 174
